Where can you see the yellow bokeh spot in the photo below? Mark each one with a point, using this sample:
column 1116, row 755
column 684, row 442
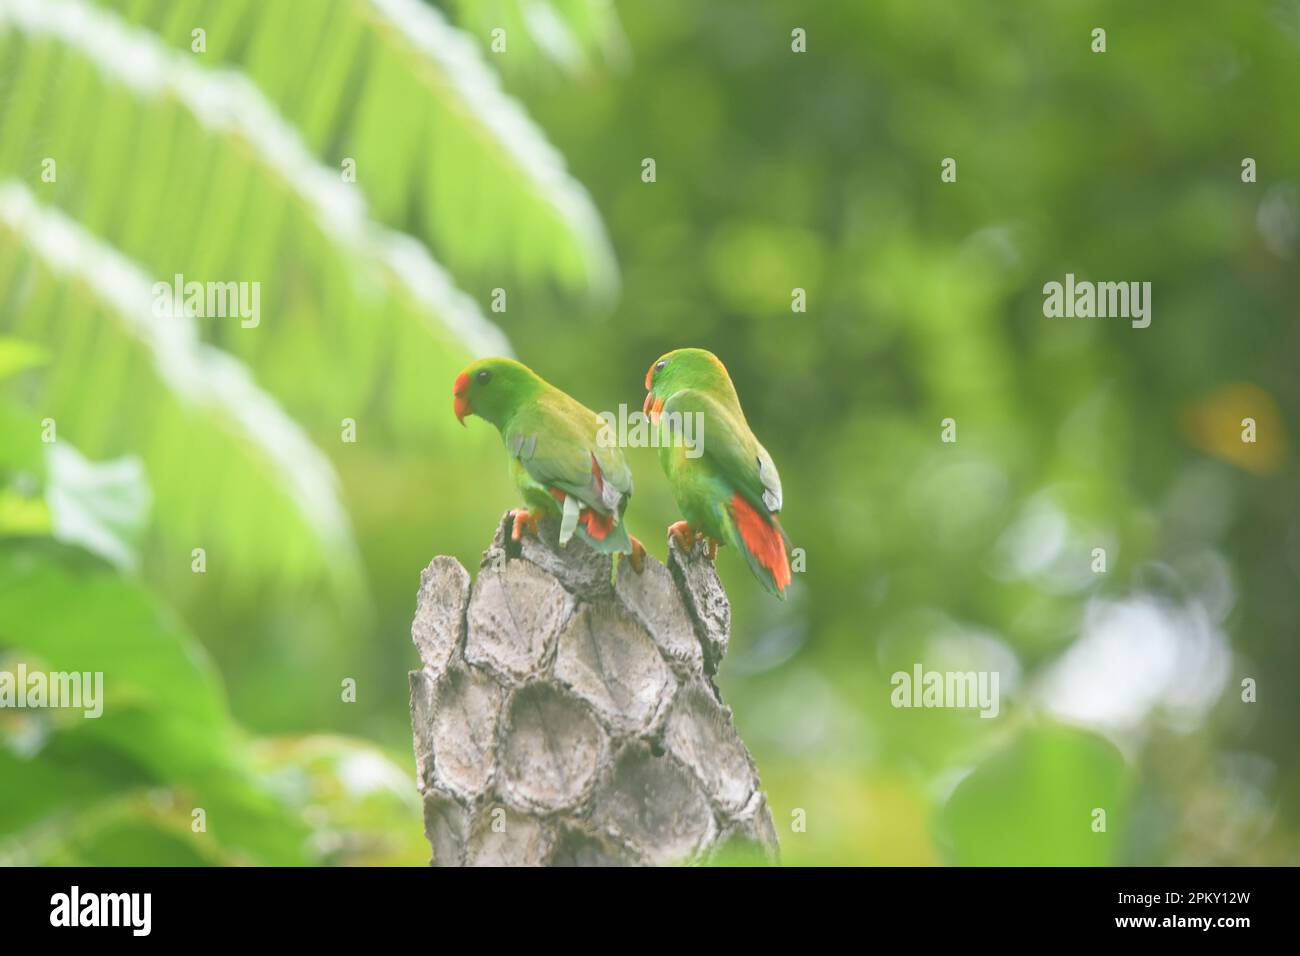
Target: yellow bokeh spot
column 1224, row 423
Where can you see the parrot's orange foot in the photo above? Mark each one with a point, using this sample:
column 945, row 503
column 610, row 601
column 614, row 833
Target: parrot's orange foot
column 713, row 547
column 683, row 533
column 637, row 557
column 523, row 518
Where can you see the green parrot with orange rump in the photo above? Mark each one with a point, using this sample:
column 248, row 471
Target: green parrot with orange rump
column 556, row 460
column 727, row 489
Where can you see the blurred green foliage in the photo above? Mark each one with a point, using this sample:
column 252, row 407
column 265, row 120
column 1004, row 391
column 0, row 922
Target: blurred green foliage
column 775, row 170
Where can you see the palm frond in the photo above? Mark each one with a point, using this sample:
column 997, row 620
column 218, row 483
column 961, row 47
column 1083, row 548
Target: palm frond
column 192, row 412
column 440, row 149
column 573, row 36
column 222, row 187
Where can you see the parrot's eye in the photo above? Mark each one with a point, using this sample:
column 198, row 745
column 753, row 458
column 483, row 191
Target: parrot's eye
column 484, row 376
column 660, row 364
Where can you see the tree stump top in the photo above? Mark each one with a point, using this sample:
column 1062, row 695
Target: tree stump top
column 563, row 717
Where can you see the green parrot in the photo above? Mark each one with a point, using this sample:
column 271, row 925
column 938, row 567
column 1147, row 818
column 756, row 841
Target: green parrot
column 556, row 460
column 723, row 480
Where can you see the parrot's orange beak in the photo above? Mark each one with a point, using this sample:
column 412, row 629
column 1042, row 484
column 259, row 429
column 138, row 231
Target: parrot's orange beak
column 460, row 391
column 653, row 406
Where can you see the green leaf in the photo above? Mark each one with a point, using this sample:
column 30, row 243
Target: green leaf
column 440, row 149
column 1035, row 803
column 23, row 509
column 364, row 809
column 22, row 515
column 227, row 191
column 163, row 721
column 17, row 355
column 104, row 506
column 144, row 383
column 572, row 36
column 134, row 841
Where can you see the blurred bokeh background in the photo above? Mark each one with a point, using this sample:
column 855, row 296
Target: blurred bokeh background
column 382, row 167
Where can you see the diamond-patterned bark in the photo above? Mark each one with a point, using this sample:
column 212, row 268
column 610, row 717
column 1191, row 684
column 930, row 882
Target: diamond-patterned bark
column 563, row 718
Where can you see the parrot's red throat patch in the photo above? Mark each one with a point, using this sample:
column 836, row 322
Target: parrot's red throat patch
column 763, row 540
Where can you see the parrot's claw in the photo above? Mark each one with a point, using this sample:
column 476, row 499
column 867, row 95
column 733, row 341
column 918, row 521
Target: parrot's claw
column 684, row 535
column 524, row 519
column 687, row 538
column 637, row 557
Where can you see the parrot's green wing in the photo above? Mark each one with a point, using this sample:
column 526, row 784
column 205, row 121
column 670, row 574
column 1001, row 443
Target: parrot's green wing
column 728, row 444
column 743, row 486
column 556, row 440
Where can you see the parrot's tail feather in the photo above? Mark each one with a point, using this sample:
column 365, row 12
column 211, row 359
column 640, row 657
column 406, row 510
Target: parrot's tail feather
column 762, row 541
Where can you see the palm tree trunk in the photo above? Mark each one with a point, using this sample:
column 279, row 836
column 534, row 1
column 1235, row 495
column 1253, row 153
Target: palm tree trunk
column 560, row 719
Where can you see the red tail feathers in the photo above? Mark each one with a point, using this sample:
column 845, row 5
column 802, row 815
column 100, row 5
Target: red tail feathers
column 763, row 539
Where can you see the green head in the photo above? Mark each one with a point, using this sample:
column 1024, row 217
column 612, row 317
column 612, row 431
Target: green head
column 687, row 368
column 492, row 388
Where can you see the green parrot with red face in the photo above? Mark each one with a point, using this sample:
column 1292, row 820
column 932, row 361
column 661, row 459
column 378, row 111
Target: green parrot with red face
column 556, row 458
column 725, row 483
